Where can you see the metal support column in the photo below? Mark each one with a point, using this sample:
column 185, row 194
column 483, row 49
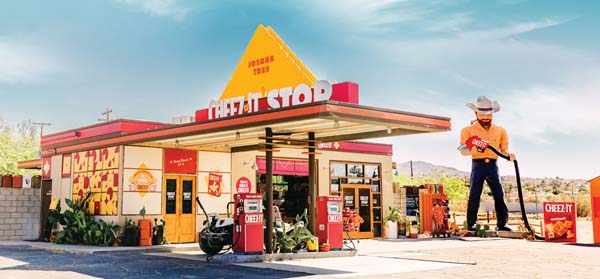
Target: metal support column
column 312, row 185
column 269, row 189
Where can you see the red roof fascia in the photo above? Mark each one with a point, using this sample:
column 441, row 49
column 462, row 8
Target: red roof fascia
column 113, row 127
column 353, row 146
column 236, row 121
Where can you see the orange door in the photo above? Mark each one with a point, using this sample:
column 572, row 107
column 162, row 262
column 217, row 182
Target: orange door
column 358, row 197
column 179, row 211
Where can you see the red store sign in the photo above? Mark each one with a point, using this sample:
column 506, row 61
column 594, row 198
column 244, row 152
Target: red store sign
column 243, row 185
column 180, row 161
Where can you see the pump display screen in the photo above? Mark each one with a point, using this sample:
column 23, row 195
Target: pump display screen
column 334, row 207
column 253, row 206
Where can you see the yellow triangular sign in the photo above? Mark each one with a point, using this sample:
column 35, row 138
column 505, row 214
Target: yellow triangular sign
column 267, row 64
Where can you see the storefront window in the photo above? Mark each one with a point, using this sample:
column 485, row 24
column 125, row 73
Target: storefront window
column 335, row 186
column 372, row 171
column 171, row 196
column 338, row 169
column 360, row 187
column 355, row 170
column 376, row 200
column 375, row 186
column 186, row 200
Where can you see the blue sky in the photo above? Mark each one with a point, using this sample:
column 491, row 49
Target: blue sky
column 64, row 62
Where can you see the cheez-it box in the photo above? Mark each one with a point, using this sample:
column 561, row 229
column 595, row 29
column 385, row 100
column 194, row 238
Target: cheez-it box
column 560, row 221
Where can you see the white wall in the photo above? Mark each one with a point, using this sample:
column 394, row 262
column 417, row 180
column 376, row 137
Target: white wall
column 132, row 200
column 218, row 163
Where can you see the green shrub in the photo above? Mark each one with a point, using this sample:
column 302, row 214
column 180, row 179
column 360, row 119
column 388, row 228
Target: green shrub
column 393, row 216
column 78, row 227
column 583, row 203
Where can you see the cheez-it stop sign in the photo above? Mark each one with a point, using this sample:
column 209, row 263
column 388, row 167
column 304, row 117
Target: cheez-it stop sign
column 243, row 185
column 560, row 221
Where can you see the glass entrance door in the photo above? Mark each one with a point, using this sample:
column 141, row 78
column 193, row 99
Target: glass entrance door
column 179, row 210
column 358, row 198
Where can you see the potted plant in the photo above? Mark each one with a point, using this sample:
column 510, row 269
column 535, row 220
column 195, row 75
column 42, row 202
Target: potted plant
column 297, row 238
column 130, row 233
column 302, row 235
column 414, row 229
column 391, row 223
column 158, row 237
column 145, row 229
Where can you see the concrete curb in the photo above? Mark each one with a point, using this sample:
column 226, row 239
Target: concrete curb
column 229, row 258
column 89, row 250
column 235, row 258
column 513, row 235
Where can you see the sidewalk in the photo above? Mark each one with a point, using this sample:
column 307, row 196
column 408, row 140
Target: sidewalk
column 455, row 258
column 84, row 249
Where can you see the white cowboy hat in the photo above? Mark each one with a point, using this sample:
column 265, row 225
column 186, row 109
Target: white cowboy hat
column 483, row 105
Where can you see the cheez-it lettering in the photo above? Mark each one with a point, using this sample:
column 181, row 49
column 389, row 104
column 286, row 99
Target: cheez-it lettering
column 560, row 208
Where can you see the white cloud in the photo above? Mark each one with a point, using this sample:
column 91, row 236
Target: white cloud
column 553, row 130
column 512, row 30
column 454, row 23
column 541, row 111
column 548, row 92
column 162, row 8
column 24, row 62
column 486, row 62
column 429, row 16
column 370, row 16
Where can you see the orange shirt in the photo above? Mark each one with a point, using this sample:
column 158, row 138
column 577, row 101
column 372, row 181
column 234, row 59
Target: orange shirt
column 496, row 136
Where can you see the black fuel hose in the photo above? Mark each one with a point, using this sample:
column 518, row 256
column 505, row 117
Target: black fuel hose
column 520, row 190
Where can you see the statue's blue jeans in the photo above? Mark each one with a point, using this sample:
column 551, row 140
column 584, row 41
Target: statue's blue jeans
column 486, row 170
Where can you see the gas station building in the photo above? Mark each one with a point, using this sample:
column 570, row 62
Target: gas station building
column 276, row 130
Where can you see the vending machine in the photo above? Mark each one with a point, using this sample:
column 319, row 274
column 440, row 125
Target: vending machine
column 329, row 222
column 248, row 233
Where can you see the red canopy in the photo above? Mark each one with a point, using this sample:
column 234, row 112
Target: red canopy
column 283, row 167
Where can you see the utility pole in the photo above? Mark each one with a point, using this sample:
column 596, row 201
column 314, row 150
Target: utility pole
column 411, row 170
column 107, row 113
column 536, row 201
column 42, row 124
column 41, row 127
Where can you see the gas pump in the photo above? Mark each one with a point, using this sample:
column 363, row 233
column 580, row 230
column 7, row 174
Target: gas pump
column 329, row 222
column 248, row 231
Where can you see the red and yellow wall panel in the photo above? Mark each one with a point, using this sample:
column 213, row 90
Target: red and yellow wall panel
column 97, row 171
column 67, row 160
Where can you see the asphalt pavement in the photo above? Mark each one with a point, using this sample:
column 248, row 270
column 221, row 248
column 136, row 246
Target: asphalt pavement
column 25, row 262
column 407, row 258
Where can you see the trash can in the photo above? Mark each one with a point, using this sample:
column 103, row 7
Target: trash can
column 7, row 181
column 17, row 181
column 36, row 181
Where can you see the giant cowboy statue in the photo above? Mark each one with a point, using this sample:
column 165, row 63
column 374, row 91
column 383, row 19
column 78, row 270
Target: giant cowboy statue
column 484, row 166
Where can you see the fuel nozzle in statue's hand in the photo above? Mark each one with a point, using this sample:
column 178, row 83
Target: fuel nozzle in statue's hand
column 474, row 141
column 478, row 142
